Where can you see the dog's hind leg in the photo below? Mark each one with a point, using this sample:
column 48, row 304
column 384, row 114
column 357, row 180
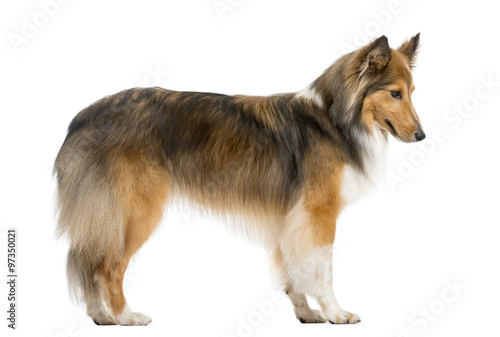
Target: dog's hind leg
column 96, row 309
column 143, row 195
column 112, row 279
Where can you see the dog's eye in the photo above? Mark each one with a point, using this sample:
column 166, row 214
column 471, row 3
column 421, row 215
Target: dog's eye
column 396, row 94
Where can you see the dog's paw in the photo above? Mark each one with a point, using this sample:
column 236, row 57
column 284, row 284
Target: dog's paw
column 310, row 316
column 343, row 317
column 140, row 319
column 132, row 318
column 103, row 319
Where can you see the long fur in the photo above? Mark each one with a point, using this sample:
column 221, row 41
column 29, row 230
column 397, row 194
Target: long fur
column 279, row 160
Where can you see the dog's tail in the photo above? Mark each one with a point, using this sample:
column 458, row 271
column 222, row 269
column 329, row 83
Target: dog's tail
column 90, row 215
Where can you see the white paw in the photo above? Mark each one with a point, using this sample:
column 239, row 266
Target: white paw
column 342, row 317
column 127, row 317
column 140, row 319
column 309, row 316
column 134, row 318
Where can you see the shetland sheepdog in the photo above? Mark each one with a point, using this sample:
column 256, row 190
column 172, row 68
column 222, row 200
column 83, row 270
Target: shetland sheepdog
column 286, row 163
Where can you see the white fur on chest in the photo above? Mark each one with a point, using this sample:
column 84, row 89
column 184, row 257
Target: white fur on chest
column 355, row 183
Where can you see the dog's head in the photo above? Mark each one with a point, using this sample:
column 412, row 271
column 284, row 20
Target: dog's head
column 388, row 85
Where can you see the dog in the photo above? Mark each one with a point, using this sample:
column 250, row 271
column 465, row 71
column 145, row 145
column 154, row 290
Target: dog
column 284, row 164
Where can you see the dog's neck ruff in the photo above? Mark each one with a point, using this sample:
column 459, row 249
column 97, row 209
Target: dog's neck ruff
column 357, row 182
column 360, row 174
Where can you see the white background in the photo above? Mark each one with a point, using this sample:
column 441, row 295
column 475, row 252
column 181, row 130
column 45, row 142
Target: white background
column 396, row 249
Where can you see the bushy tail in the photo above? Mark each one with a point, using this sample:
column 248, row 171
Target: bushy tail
column 90, row 215
column 80, row 272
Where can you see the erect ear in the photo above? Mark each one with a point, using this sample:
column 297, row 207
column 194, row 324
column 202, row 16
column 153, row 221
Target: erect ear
column 376, row 57
column 410, row 49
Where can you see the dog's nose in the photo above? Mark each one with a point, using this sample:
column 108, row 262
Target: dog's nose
column 419, row 135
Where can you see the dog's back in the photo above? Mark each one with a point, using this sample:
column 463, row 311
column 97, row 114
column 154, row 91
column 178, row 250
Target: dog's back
column 127, row 154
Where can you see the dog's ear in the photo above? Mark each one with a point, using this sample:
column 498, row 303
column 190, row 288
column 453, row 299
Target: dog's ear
column 376, row 56
column 410, row 49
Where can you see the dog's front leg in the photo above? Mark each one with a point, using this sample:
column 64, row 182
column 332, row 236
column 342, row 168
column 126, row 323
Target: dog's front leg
column 306, row 248
column 313, row 276
column 324, row 291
